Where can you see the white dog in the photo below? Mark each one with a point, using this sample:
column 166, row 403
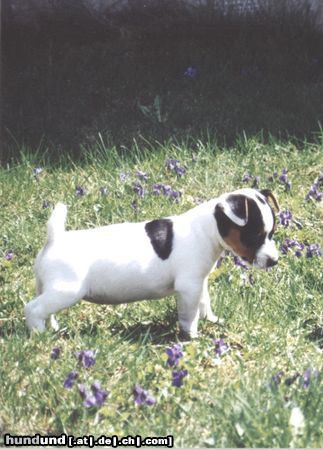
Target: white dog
column 127, row 262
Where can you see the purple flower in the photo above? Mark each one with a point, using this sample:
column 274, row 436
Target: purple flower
column 190, row 72
column 174, row 354
column 313, row 250
column 45, row 204
column 95, row 398
column 138, row 189
column 123, row 176
column 175, row 165
column 291, row 244
column 175, row 195
column 142, row 397
column 276, row 379
column 86, row 358
column 158, row 188
column 55, row 353
column 134, row 205
column 9, row 255
column 219, row 262
column 103, row 191
column 142, row 175
column 284, row 179
column 80, row 191
column 246, row 178
column 178, row 376
column 314, row 192
column 285, row 218
column 69, row 381
column 221, row 346
column 37, row 170
column 240, row 263
column 167, row 191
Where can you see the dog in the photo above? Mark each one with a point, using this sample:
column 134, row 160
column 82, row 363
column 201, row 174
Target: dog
column 126, row 262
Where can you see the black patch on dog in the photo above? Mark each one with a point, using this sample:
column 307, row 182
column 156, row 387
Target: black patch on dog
column 237, row 204
column 252, row 235
column 261, row 199
column 160, row 233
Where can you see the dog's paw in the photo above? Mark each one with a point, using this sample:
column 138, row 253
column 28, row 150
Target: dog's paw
column 215, row 319
column 33, row 321
column 187, row 335
column 53, row 323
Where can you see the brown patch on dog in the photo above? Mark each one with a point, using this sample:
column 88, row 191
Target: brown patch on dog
column 269, row 195
column 233, row 240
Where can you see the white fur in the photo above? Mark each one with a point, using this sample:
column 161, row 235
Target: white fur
column 117, row 264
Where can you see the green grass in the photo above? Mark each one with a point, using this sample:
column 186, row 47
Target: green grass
column 272, row 325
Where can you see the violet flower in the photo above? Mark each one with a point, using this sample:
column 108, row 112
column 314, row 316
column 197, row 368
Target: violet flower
column 313, row 250
column 178, row 376
column 190, row 72
column 123, row 176
column 9, row 255
column 284, row 179
column 86, row 358
column 69, row 381
column 240, row 263
column 174, row 354
column 37, row 171
column 138, row 189
column 142, row 175
column 246, row 178
column 221, row 346
column 80, row 191
column 314, row 193
column 55, row 353
column 142, row 397
column 175, row 166
column 285, row 218
column 276, row 379
column 95, row 398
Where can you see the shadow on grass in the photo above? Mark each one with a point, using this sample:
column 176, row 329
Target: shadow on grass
column 316, row 335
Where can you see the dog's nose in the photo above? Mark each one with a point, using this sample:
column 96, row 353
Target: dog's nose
column 271, row 262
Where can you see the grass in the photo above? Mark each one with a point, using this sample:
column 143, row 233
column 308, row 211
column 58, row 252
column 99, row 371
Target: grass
column 273, row 319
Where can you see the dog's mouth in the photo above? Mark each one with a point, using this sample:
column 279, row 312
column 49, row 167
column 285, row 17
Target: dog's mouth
column 248, row 260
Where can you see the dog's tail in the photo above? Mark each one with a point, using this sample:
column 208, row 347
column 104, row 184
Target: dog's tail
column 56, row 223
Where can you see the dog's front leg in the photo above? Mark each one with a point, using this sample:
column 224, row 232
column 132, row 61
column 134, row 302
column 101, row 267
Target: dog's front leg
column 188, row 299
column 205, row 305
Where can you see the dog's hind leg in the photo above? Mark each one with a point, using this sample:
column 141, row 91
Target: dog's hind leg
column 50, row 302
column 39, row 289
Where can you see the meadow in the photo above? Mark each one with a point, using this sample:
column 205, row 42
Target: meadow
column 255, row 381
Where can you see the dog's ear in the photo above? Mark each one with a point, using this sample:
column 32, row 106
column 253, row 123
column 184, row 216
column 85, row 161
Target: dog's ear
column 235, row 208
column 269, row 195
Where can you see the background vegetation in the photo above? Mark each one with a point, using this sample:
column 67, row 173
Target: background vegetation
column 125, row 76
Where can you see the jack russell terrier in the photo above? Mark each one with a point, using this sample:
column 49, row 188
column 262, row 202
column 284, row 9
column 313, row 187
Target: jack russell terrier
column 126, row 262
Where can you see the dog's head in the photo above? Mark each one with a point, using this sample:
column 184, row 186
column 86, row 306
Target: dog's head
column 246, row 224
